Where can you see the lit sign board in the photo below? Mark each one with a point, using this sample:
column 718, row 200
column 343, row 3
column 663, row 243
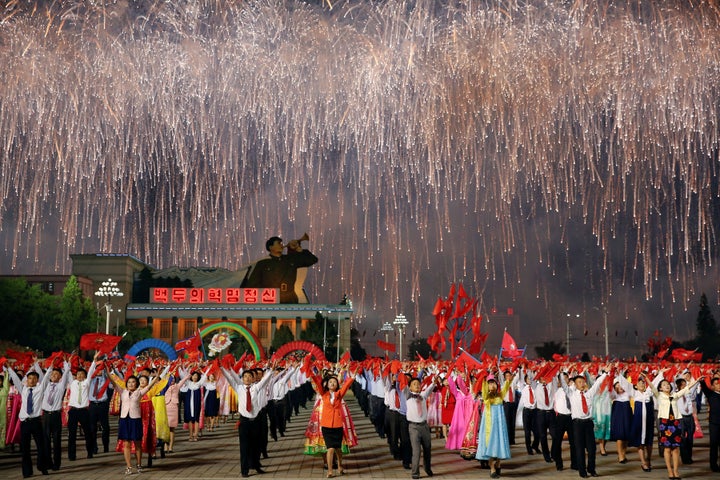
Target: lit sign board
column 215, row 295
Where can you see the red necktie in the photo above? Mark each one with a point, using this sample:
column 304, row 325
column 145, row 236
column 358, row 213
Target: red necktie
column 397, row 400
column 248, row 400
column 547, row 397
column 510, row 395
column 532, row 396
column 584, row 403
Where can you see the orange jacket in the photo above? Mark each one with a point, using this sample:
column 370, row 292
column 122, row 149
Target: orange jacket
column 332, row 416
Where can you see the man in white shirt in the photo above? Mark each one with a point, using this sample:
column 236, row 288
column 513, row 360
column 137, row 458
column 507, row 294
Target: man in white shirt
column 251, row 399
column 544, row 415
column 416, row 413
column 687, row 421
column 52, row 413
column 79, row 412
column 510, row 404
column 583, row 427
column 31, row 394
column 99, row 409
column 528, row 402
column 562, row 425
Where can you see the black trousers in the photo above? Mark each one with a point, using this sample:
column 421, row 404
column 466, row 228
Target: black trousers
column 31, row 429
column 52, row 432
column 392, row 431
column 544, row 420
column 687, row 423
column 276, row 414
column 584, row 433
column 377, row 414
column 562, row 425
column 248, row 435
column 510, row 418
column 714, row 434
column 528, row 415
column 99, row 414
column 405, row 444
column 79, row 416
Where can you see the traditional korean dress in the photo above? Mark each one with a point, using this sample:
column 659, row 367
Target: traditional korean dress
column 493, row 441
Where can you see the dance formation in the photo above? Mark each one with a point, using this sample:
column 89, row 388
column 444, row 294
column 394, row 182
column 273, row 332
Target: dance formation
column 472, row 408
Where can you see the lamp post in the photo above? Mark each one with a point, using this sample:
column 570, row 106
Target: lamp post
column 108, row 289
column 386, row 329
column 401, row 322
column 567, row 332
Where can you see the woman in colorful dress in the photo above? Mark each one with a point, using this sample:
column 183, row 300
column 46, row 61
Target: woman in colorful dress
column 333, row 417
column 447, row 406
column 601, row 411
column 4, row 392
column 493, row 442
column 12, row 433
column 465, row 407
column 669, row 428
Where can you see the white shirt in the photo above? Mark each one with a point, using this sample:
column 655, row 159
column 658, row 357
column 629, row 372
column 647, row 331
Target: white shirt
column 37, row 393
column 80, row 391
column 576, row 405
column 55, row 391
column 416, row 404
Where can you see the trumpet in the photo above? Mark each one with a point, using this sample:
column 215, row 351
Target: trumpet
column 295, row 244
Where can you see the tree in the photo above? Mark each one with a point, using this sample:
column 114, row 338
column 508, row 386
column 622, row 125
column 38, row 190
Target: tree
column 547, row 349
column 420, row 347
column 76, row 316
column 282, row 336
column 22, row 308
column 35, row 319
column 706, row 325
column 357, row 352
column 708, row 336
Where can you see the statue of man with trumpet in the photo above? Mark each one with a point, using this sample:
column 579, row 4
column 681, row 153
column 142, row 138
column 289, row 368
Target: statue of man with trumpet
column 285, row 272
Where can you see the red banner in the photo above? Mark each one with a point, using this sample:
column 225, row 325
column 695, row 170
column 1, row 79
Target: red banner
column 390, row 347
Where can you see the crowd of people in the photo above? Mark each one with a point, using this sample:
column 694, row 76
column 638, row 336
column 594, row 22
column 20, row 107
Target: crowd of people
column 474, row 407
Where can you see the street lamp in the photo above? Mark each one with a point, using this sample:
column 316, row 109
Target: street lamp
column 401, row 322
column 567, row 332
column 386, row 329
column 108, row 289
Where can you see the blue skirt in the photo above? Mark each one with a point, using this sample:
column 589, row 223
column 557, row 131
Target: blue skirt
column 640, row 428
column 620, row 421
column 496, row 443
column 130, row 429
column 212, row 404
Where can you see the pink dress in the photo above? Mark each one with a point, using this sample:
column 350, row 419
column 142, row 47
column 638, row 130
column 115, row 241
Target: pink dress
column 12, row 435
column 464, row 407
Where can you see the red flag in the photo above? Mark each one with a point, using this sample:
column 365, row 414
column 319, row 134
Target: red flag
column 509, row 347
column 23, row 360
column 190, row 344
column 683, row 355
column 438, row 307
column 390, row 347
column 466, row 359
column 101, row 342
column 345, row 359
column 461, row 292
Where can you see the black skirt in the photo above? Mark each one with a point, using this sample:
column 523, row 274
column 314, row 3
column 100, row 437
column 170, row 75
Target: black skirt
column 333, row 437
